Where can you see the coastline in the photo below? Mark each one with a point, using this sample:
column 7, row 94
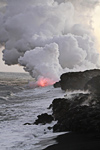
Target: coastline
column 75, row 141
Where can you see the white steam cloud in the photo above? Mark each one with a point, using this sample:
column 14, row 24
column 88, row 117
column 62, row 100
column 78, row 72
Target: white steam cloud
column 49, row 37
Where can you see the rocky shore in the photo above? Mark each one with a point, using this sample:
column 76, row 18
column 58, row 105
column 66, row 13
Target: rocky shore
column 75, row 141
column 78, row 113
column 76, row 80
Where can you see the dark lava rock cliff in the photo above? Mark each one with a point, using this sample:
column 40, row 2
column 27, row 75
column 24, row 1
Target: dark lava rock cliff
column 79, row 114
column 93, row 85
column 76, row 80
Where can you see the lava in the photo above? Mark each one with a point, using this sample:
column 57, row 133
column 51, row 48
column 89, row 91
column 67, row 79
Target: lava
column 44, row 82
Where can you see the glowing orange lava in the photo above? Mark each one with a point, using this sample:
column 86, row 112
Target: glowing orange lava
column 44, row 82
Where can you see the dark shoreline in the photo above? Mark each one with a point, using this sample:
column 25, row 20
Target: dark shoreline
column 75, row 141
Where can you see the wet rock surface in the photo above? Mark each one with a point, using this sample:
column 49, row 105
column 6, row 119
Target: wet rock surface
column 76, row 141
column 57, row 84
column 43, row 119
column 79, row 114
column 76, row 80
column 93, row 85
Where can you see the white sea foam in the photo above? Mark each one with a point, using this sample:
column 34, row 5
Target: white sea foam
column 24, row 107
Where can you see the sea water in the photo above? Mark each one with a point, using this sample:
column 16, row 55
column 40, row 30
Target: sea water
column 19, row 105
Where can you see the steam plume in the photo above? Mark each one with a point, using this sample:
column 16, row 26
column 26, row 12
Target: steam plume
column 49, row 37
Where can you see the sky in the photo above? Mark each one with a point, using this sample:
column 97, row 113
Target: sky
column 17, row 68
column 96, row 25
column 6, row 68
column 3, row 66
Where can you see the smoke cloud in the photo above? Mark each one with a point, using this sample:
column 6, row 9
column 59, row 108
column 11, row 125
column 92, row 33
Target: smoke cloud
column 49, row 37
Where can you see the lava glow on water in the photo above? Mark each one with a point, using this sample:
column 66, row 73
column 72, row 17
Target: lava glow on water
column 45, row 82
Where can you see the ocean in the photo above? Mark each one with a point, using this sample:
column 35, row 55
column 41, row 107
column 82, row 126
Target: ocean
column 20, row 104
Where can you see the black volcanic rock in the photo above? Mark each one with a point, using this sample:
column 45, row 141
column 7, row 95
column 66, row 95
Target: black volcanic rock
column 76, row 80
column 43, row 119
column 57, row 84
column 79, row 114
column 93, row 85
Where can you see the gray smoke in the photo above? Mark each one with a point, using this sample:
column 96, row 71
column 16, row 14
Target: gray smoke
column 49, row 37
